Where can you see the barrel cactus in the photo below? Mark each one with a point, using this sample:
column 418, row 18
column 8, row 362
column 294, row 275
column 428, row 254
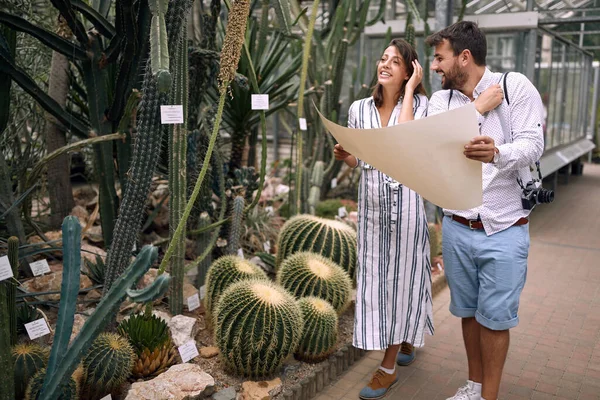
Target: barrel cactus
column 68, row 391
column 29, row 358
column 331, row 239
column 308, row 274
column 257, row 325
column 149, row 336
column 320, row 332
column 108, row 363
column 225, row 271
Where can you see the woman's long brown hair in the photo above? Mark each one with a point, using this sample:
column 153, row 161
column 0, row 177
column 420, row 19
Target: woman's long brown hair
column 408, row 54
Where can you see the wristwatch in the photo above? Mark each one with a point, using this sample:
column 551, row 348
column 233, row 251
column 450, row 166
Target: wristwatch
column 496, row 155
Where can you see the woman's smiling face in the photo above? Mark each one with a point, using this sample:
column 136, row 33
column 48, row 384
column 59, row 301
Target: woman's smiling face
column 391, row 71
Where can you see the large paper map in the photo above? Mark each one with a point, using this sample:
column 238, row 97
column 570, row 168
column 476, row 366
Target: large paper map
column 425, row 155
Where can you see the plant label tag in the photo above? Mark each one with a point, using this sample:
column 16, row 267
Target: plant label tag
column 302, row 122
column 270, row 211
column 342, row 212
column 5, row 269
column 188, row 351
column 37, row 328
column 171, row 115
column 240, row 253
column 193, row 302
column 267, row 246
column 260, row 101
column 40, row 267
column 333, row 183
column 107, row 397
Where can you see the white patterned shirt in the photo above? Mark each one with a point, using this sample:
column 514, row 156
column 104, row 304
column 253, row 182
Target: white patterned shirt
column 502, row 205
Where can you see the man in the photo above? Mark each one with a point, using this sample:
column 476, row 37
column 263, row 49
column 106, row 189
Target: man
column 485, row 249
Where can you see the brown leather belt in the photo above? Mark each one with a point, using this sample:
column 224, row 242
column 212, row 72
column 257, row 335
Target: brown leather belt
column 476, row 224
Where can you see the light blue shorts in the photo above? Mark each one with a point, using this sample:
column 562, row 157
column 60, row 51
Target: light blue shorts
column 485, row 274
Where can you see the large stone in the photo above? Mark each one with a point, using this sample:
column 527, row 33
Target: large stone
column 89, row 252
column 77, row 325
column 50, row 283
column 183, row 329
column 84, row 195
column 180, row 382
column 261, row 390
column 225, row 394
column 82, row 215
column 209, row 352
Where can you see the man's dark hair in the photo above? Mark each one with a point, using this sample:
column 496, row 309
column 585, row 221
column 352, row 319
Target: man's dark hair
column 462, row 35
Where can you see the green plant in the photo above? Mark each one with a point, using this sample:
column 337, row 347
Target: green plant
column 68, row 390
column 95, row 270
column 308, row 274
column 235, row 229
column 316, row 181
column 149, row 336
column 224, row 272
column 260, row 227
column 331, row 239
column 257, row 325
column 329, row 208
column 108, row 364
column 25, row 314
column 8, row 322
column 320, row 332
column 28, row 359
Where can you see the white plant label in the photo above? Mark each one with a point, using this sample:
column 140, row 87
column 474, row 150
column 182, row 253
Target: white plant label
column 342, row 212
column 193, row 302
column 267, row 246
column 107, row 397
column 40, row 267
column 188, row 351
column 302, row 122
column 37, row 328
column 333, row 183
column 5, row 269
column 171, row 115
column 260, row 101
column 240, row 253
column 270, row 211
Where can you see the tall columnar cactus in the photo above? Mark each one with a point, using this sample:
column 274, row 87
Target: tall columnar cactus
column 13, row 258
column 108, row 364
column 237, row 220
column 331, row 239
column 223, row 273
column 69, row 390
column 320, row 331
column 7, row 390
column 257, row 325
column 315, row 189
column 144, row 159
column 28, row 358
column 159, row 45
column 307, row 274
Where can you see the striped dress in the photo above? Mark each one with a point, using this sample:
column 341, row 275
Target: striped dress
column 393, row 294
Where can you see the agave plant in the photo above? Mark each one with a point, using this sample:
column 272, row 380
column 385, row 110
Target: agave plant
column 95, row 270
column 26, row 314
column 149, row 336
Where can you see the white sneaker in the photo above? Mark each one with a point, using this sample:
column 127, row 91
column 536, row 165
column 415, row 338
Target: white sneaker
column 466, row 392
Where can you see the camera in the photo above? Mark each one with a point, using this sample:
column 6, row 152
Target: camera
column 534, row 193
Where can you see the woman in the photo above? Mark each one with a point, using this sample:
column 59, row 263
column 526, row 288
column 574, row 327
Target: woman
column 393, row 295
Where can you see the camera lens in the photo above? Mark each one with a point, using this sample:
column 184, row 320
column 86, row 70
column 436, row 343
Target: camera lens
column 545, row 196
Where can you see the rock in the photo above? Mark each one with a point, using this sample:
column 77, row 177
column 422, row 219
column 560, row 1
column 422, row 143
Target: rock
column 82, row 215
column 181, row 381
column 50, row 283
column 94, row 235
column 183, row 329
column 261, row 390
column 77, row 325
column 89, row 252
column 161, row 314
column 93, row 295
column 148, row 278
column 188, row 291
column 161, row 190
column 83, row 195
column 225, row 394
column 209, row 352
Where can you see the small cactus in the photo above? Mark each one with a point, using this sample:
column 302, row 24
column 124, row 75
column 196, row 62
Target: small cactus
column 28, row 358
column 235, row 230
column 257, row 325
column 224, row 272
column 332, row 239
column 108, row 363
column 68, row 391
column 308, row 274
column 320, row 332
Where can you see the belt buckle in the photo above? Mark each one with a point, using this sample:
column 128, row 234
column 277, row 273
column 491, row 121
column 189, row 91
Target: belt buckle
column 470, row 224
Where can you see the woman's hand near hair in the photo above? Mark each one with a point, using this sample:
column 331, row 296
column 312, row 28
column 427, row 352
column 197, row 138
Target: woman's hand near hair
column 406, row 114
column 341, row 154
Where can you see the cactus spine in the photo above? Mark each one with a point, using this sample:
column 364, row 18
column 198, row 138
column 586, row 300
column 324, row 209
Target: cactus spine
column 144, row 159
column 235, row 230
column 257, row 325
column 320, row 331
column 108, row 364
column 308, row 274
column 331, row 239
column 28, row 358
column 223, row 273
column 68, row 390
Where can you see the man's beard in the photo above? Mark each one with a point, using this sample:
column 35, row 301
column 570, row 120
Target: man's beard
column 455, row 78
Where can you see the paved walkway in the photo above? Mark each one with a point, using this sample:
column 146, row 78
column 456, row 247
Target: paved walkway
column 555, row 351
